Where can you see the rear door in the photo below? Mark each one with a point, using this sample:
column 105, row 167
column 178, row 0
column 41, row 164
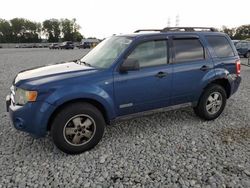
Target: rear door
column 190, row 64
column 150, row 86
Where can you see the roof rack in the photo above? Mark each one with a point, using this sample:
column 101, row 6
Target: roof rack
column 189, row 29
column 185, row 29
column 142, row 30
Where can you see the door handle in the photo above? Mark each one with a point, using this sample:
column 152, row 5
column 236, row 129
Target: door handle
column 204, row 68
column 161, row 74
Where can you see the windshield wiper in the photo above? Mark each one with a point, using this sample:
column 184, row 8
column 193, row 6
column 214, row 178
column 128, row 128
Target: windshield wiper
column 83, row 62
column 88, row 64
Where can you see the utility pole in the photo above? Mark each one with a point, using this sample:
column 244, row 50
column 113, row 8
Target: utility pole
column 177, row 20
column 169, row 22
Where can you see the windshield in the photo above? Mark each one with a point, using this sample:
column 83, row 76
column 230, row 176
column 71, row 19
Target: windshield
column 104, row 54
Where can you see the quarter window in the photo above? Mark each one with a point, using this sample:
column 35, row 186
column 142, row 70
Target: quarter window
column 150, row 53
column 221, row 46
column 188, row 50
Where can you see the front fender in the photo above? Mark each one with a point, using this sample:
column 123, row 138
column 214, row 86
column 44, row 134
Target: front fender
column 72, row 92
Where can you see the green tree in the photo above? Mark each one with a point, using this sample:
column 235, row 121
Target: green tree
column 24, row 30
column 31, row 33
column 18, row 29
column 77, row 36
column 5, row 31
column 242, row 32
column 229, row 31
column 52, row 29
column 70, row 30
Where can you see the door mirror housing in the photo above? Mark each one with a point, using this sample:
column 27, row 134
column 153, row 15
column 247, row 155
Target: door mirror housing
column 129, row 64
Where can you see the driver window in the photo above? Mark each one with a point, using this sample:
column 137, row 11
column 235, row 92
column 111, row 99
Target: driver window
column 150, row 53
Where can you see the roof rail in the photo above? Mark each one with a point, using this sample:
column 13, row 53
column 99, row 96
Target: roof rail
column 141, row 30
column 190, row 29
column 187, row 29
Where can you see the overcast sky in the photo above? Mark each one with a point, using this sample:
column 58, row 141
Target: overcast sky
column 102, row 18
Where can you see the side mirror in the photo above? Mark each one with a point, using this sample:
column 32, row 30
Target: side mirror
column 129, row 65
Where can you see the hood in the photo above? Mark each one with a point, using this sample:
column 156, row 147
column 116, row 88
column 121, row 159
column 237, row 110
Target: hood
column 51, row 71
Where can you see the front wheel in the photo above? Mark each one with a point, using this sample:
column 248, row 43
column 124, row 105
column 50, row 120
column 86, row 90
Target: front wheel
column 77, row 128
column 211, row 103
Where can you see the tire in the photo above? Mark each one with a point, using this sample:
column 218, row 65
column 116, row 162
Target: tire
column 247, row 55
column 72, row 126
column 208, row 110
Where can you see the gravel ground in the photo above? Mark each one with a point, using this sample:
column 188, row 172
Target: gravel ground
column 173, row 149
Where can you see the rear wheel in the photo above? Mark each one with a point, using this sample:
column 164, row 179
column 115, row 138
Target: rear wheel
column 77, row 128
column 212, row 102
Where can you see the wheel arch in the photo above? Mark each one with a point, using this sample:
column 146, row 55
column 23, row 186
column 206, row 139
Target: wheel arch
column 94, row 102
column 220, row 76
column 223, row 82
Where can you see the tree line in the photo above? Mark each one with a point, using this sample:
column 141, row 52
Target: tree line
column 238, row 33
column 20, row 30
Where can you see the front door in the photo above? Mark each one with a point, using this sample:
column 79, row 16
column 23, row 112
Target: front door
column 150, row 86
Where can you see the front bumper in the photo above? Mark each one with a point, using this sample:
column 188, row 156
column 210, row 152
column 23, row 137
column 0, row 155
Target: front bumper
column 32, row 117
column 8, row 102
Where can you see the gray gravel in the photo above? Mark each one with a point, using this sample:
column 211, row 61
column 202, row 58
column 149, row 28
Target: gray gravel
column 173, row 149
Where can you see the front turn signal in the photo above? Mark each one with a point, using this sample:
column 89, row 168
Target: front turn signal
column 31, row 96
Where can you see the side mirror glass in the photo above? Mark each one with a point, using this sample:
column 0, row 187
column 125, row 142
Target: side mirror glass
column 129, row 65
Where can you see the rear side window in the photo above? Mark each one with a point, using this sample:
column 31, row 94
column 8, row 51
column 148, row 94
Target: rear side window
column 188, row 50
column 221, row 46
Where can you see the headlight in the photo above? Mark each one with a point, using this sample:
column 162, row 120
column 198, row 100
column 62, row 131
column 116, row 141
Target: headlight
column 23, row 96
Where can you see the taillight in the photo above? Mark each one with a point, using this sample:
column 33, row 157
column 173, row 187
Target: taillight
column 237, row 63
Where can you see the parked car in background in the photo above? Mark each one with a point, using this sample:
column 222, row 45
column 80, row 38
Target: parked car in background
column 235, row 42
column 243, row 48
column 67, row 45
column 89, row 43
column 40, row 46
column 126, row 76
column 45, row 45
column 54, row 46
column 84, row 45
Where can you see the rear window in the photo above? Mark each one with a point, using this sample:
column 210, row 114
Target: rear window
column 221, row 46
column 188, row 50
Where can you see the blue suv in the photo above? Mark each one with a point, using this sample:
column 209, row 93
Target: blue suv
column 126, row 76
